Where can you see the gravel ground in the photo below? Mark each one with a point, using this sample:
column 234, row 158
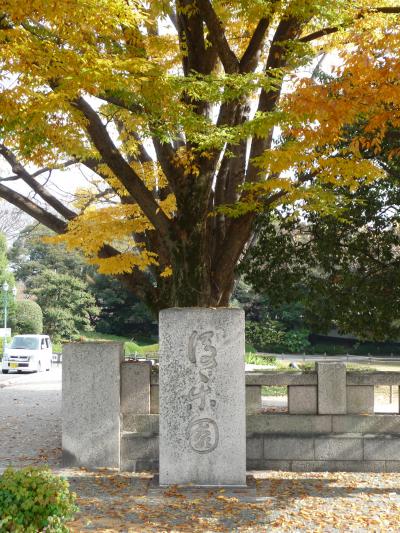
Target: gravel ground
column 109, row 501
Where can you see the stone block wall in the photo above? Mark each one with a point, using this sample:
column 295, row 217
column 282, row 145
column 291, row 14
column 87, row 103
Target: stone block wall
column 291, row 442
column 332, row 429
column 110, row 417
column 329, row 390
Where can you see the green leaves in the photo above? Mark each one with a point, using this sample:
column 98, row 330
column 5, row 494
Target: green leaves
column 33, row 499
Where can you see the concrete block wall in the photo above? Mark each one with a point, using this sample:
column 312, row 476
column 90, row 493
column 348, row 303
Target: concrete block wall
column 290, row 442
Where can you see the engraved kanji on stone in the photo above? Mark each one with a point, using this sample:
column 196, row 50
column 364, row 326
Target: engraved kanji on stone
column 199, row 394
column 201, row 351
column 203, row 435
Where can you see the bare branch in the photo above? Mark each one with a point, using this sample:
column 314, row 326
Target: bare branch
column 35, row 211
column 48, row 169
column 35, row 185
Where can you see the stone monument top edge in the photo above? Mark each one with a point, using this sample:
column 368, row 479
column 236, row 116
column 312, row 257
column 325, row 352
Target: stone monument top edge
column 200, row 309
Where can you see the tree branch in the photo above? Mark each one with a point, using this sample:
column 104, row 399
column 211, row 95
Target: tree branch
column 239, row 230
column 327, row 31
column 217, row 37
column 35, row 211
column 196, row 56
column 20, row 171
column 249, row 60
column 128, row 177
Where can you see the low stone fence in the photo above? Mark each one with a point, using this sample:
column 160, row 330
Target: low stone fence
column 110, row 416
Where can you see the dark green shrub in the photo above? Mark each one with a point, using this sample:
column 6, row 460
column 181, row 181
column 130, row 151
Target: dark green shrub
column 264, row 335
column 28, row 317
column 294, row 341
column 34, row 499
column 269, row 336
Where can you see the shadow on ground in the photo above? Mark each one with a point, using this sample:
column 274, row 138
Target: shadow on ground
column 285, row 501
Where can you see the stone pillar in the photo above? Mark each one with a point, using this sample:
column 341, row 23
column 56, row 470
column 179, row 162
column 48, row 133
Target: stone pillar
column 302, row 399
column 331, row 388
column 135, row 387
column 202, row 397
column 253, row 399
column 91, row 404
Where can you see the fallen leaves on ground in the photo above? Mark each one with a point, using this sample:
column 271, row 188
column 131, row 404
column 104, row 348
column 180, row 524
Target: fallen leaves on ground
column 284, row 501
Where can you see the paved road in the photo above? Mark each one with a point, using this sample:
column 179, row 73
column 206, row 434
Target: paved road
column 30, row 419
column 31, row 376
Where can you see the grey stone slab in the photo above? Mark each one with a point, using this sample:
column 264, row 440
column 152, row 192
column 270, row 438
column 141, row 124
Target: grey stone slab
column 254, row 447
column 263, row 464
column 331, row 388
column 274, row 377
column 366, row 424
column 91, row 404
column 135, row 387
column 386, row 448
column 282, row 423
column 392, row 466
column 253, row 399
column 302, row 399
column 146, row 466
column 360, row 399
column 339, row 447
column 135, row 423
column 202, row 397
column 135, row 447
column 373, row 378
column 154, row 399
column 288, row 447
column 338, row 466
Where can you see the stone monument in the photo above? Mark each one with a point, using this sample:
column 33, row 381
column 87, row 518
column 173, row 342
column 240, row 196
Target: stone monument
column 202, row 397
column 91, row 404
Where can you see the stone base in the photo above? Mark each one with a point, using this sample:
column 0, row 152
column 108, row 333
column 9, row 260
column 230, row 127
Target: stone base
column 229, row 490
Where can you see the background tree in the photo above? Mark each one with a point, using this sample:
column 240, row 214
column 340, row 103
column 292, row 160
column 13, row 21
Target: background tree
column 120, row 312
column 67, row 305
column 158, row 99
column 6, row 275
column 29, row 256
column 28, row 318
column 271, row 328
column 344, row 269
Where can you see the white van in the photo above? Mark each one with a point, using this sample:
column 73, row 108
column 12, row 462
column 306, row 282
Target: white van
column 28, row 353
